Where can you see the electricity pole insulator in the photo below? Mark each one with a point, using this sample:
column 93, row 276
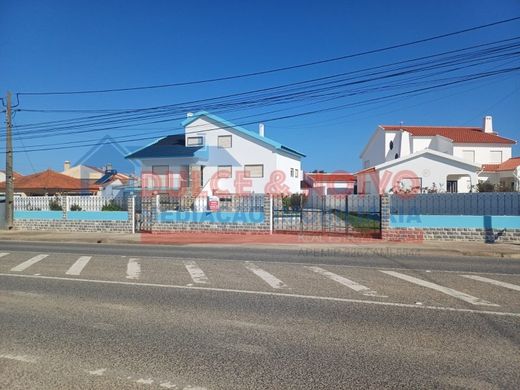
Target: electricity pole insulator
column 9, row 184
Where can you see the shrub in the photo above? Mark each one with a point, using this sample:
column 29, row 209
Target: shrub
column 55, row 205
column 75, row 207
column 112, row 206
column 485, row 187
column 293, row 202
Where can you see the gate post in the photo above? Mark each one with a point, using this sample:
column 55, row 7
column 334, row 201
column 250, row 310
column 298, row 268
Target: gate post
column 384, row 210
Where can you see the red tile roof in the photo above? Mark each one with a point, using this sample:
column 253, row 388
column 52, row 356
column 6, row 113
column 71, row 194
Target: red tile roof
column 508, row 165
column 331, row 177
column 458, row 134
column 490, row 167
column 50, row 181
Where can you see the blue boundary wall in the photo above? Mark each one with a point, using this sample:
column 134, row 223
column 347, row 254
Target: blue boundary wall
column 49, row 215
column 455, row 221
column 249, row 217
column 73, row 215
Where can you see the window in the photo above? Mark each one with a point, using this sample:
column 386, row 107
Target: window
column 296, row 173
column 468, row 155
column 292, row 172
column 194, row 141
column 391, row 145
column 160, row 175
column 252, row 171
column 495, row 156
column 224, row 171
column 224, row 141
column 396, row 156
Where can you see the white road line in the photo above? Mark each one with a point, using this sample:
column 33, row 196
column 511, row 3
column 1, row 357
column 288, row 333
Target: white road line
column 346, row 282
column 26, row 264
column 133, row 269
column 20, row 358
column 446, row 290
column 270, row 279
column 266, row 293
column 197, row 274
column 3, row 254
column 77, row 267
column 493, row 281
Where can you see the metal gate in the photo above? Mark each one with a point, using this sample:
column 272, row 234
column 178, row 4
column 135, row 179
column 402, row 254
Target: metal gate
column 353, row 215
column 145, row 213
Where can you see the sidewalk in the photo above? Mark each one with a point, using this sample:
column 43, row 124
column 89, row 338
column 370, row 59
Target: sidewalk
column 330, row 244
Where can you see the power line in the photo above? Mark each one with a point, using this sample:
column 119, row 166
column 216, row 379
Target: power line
column 280, row 69
column 325, row 96
column 159, row 111
column 369, row 101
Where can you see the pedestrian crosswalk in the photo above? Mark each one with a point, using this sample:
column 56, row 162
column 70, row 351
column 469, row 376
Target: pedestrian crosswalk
column 426, row 287
column 77, row 267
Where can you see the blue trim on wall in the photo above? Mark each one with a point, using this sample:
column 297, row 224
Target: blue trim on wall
column 46, row 214
column 455, row 221
column 211, row 217
column 97, row 215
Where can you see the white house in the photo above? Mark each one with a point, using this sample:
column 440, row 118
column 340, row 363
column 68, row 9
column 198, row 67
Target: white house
column 430, row 158
column 83, row 172
column 214, row 156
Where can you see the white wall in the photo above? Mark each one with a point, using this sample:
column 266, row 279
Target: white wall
column 482, row 152
column 374, row 153
column 430, row 169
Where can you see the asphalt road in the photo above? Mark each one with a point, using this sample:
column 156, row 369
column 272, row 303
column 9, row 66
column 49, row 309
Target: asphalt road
column 100, row 317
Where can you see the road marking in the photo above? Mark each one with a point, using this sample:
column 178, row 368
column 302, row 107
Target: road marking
column 197, row 274
column 20, row 358
column 168, row 385
column 437, row 287
column 265, row 293
column 98, row 372
column 133, row 269
column 493, row 281
column 77, row 267
column 270, row 279
column 346, row 282
column 3, row 254
column 148, row 381
column 26, row 264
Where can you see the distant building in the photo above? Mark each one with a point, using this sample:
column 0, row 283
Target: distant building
column 334, row 183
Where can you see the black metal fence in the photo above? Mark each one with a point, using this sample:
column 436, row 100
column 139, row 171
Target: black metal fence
column 328, row 214
column 483, row 203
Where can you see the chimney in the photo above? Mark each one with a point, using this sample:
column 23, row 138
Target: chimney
column 488, row 124
column 261, row 129
column 189, row 114
column 66, row 165
column 108, row 167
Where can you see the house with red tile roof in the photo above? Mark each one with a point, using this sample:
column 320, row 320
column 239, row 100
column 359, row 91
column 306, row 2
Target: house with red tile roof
column 432, row 158
column 505, row 175
column 322, row 183
column 50, row 182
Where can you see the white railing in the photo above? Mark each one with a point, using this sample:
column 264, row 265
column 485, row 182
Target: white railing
column 84, row 203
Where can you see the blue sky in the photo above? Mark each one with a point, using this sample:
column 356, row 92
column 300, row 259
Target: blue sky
column 83, row 45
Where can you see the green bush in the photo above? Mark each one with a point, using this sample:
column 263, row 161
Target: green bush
column 112, row 206
column 55, row 205
column 75, row 207
column 293, row 202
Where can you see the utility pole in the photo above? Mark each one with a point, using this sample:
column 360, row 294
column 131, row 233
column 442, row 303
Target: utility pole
column 9, row 185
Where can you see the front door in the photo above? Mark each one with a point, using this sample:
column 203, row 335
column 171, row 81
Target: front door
column 451, row 186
